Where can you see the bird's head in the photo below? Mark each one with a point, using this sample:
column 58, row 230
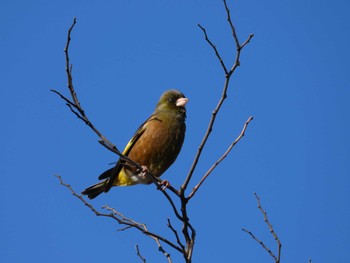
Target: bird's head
column 172, row 100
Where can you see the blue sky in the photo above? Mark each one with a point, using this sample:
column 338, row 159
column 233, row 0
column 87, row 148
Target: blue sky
column 294, row 79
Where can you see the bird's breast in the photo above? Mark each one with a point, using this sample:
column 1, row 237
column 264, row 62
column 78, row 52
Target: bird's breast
column 159, row 145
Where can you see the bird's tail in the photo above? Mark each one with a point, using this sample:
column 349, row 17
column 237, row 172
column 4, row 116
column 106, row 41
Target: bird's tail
column 96, row 189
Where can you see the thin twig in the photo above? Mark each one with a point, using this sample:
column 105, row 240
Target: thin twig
column 214, row 48
column 205, row 138
column 272, row 231
column 69, row 67
column 139, row 254
column 247, row 41
column 76, row 104
column 156, row 239
column 261, row 243
column 228, row 13
column 176, row 234
column 195, row 189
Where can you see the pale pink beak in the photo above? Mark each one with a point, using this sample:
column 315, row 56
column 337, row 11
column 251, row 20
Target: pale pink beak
column 181, row 102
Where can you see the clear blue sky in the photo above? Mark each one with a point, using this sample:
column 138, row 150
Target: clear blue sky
column 294, row 80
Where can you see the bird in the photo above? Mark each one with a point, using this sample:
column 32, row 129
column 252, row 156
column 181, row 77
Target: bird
column 155, row 146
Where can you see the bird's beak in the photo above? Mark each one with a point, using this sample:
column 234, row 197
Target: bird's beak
column 181, row 102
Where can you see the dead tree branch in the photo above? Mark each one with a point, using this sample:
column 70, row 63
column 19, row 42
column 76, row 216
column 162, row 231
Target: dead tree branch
column 138, row 253
column 187, row 230
column 277, row 258
column 228, row 74
column 178, row 240
column 195, row 189
column 122, row 220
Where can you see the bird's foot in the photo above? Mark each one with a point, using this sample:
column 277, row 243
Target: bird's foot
column 163, row 185
column 142, row 172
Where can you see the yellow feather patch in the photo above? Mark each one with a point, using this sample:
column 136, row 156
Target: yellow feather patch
column 123, row 179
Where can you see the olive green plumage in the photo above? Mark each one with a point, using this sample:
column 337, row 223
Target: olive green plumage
column 155, row 145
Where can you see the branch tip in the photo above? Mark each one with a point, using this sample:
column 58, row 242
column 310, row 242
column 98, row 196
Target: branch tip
column 272, row 231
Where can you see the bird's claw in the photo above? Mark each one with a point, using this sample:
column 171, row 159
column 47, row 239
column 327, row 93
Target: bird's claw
column 163, row 185
column 143, row 172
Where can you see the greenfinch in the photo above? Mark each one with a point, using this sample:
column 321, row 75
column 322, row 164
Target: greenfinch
column 155, row 146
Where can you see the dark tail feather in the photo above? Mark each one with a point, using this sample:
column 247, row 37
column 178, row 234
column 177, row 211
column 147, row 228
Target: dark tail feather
column 107, row 173
column 103, row 186
column 96, row 189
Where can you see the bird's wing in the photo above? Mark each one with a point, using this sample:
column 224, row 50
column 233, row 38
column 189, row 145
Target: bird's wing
column 135, row 138
column 137, row 135
column 113, row 172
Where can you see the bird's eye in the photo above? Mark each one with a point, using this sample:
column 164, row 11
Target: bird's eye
column 171, row 100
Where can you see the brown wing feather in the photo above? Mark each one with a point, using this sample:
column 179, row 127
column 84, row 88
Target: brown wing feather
column 112, row 174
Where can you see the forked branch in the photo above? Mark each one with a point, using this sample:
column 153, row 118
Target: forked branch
column 277, row 258
column 228, row 74
column 206, row 175
column 138, row 253
column 122, row 220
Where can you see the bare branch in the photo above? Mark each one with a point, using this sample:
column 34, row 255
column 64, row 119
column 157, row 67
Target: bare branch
column 139, row 254
column 188, row 231
column 247, row 41
column 272, row 231
column 80, row 113
column 228, row 13
column 228, row 75
column 176, row 234
column 233, row 29
column 121, row 219
column 261, row 243
column 166, row 254
column 69, row 67
column 215, row 49
column 155, row 238
column 195, row 189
